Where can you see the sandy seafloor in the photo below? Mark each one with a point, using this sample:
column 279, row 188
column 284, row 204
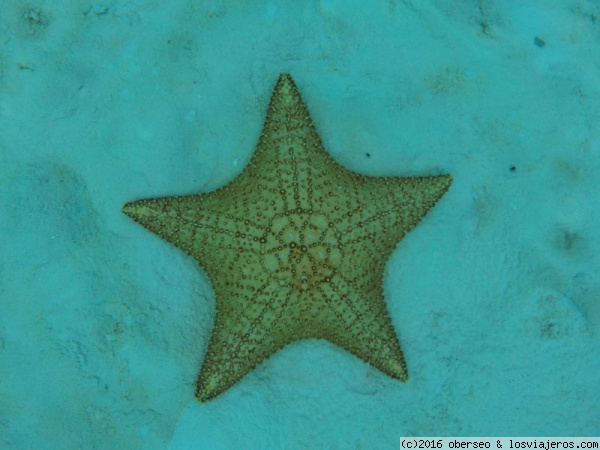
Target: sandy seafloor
column 495, row 295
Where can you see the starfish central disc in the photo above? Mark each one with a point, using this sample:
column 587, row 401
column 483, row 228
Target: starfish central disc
column 301, row 249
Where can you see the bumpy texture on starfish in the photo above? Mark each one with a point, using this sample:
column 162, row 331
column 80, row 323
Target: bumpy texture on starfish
column 295, row 248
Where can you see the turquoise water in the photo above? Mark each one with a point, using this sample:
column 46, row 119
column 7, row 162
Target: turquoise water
column 103, row 326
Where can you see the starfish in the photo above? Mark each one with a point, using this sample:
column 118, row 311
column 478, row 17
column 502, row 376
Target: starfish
column 294, row 247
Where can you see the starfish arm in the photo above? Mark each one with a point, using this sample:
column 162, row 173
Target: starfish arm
column 289, row 157
column 357, row 321
column 200, row 226
column 379, row 212
column 248, row 329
